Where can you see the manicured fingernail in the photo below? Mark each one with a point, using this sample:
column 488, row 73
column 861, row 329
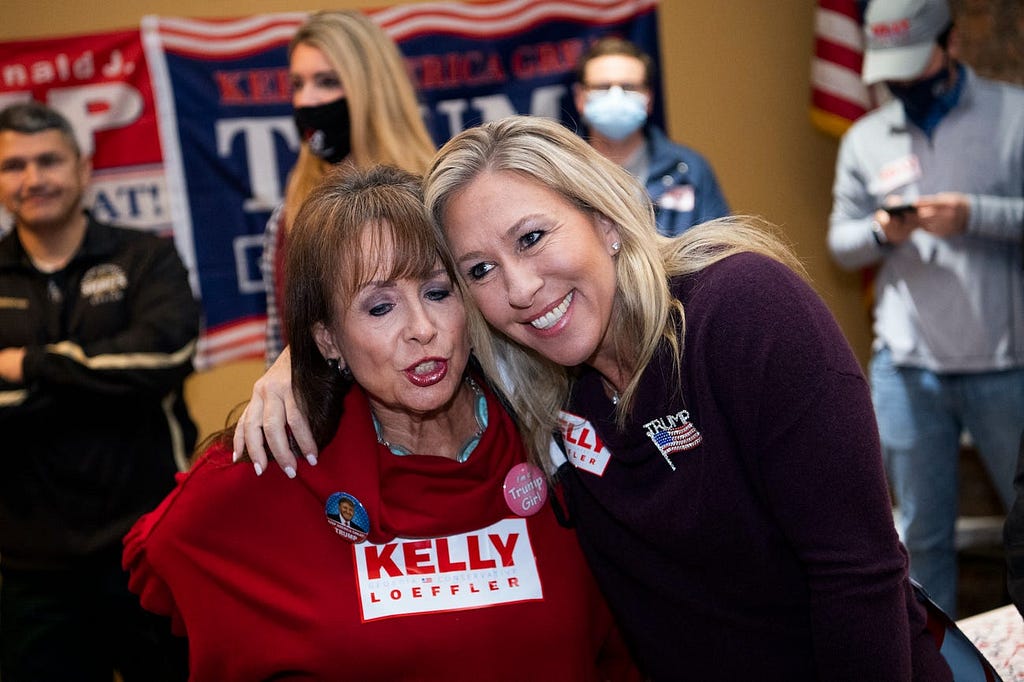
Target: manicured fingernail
column 311, row 458
column 289, row 472
column 234, row 457
column 258, row 468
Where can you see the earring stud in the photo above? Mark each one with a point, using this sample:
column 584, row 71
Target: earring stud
column 335, row 365
column 615, row 246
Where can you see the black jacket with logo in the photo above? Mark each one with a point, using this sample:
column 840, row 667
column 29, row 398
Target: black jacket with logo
column 95, row 434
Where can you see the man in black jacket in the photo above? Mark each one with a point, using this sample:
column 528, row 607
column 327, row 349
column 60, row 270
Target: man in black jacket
column 98, row 327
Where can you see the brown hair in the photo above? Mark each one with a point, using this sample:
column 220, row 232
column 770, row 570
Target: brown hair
column 614, row 45
column 328, row 257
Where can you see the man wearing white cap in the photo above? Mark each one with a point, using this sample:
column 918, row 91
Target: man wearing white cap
column 929, row 189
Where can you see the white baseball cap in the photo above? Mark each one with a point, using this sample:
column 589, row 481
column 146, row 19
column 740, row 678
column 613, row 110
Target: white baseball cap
column 899, row 36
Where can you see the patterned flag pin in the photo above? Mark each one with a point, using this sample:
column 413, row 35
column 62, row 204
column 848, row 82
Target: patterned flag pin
column 673, row 433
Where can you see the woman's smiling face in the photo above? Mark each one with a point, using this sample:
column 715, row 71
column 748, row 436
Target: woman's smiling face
column 539, row 269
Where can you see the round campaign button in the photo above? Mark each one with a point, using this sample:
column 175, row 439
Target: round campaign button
column 347, row 516
column 525, row 489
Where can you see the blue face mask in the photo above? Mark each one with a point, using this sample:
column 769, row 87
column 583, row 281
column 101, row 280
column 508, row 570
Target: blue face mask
column 921, row 98
column 615, row 113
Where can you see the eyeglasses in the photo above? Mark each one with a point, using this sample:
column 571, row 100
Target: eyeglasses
column 605, row 87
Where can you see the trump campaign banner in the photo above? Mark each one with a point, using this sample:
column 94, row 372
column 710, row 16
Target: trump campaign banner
column 101, row 83
column 191, row 120
column 483, row 61
column 229, row 141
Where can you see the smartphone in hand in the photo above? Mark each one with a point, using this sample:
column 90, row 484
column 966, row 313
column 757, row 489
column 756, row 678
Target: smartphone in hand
column 899, row 210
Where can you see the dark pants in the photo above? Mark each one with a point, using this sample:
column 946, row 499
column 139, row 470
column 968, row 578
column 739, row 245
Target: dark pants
column 81, row 624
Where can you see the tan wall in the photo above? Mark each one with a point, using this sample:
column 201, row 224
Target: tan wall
column 736, row 79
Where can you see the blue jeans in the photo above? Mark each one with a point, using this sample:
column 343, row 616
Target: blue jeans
column 921, row 416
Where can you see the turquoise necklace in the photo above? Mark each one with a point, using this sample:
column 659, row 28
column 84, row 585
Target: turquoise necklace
column 467, row 449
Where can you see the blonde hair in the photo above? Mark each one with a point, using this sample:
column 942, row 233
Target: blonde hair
column 645, row 312
column 387, row 126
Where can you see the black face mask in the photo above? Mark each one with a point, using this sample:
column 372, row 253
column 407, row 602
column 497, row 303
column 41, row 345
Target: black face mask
column 326, row 129
column 919, row 96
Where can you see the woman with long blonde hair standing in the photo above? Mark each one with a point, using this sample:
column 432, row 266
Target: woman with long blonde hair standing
column 354, row 103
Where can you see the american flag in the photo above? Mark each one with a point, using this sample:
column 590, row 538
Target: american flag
column 678, row 438
column 838, row 96
column 682, row 437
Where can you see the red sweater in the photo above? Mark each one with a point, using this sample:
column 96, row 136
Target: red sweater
column 449, row 585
